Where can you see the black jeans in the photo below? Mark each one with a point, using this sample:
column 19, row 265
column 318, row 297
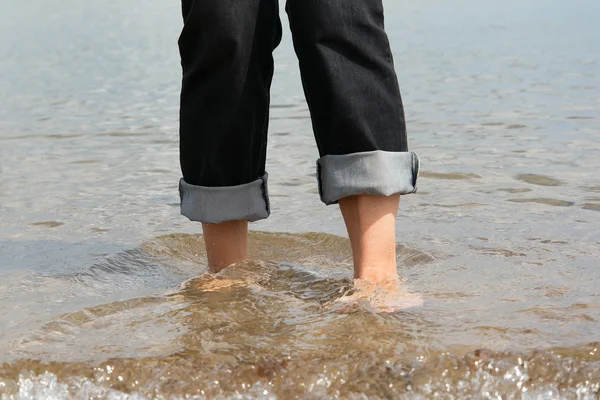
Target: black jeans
column 350, row 85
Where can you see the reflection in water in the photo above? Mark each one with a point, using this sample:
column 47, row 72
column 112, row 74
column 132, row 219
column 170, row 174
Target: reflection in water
column 452, row 176
column 514, row 190
column 48, row 224
column 539, row 180
column 550, row 202
column 592, row 206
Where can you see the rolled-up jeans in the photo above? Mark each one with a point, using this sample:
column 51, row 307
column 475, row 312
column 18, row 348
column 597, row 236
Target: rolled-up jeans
column 350, row 86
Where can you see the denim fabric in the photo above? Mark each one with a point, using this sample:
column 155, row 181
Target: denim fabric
column 379, row 173
column 226, row 54
column 214, row 205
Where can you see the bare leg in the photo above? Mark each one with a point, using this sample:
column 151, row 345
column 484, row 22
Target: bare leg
column 371, row 225
column 226, row 243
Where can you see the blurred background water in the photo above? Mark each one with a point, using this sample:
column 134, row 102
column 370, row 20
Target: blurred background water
column 502, row 239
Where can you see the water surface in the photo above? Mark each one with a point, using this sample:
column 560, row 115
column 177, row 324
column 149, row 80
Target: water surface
column 502, row 240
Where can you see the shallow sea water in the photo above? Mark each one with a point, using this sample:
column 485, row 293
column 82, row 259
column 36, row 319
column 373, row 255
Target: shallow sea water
column 103, row 285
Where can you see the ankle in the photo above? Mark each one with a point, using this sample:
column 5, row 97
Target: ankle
column 376, row 274
column 226, row 244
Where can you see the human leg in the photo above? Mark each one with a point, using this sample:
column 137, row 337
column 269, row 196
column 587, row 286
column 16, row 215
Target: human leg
column 358, row 121
column 371, row 224
column 226, row 56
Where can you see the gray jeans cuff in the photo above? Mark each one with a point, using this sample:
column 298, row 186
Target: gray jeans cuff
column 377, row 172
column 213, row 205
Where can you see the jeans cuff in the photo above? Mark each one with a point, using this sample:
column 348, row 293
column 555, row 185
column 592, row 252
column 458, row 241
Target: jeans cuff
column 376, row 172
column 213, row 205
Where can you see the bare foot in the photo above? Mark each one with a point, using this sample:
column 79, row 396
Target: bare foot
column 387, row 296
column 210, row 283
column 240, row 274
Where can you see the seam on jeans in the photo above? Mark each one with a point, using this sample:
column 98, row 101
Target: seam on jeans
column 265, row 194
column 264, row 137
column 319, row 180
column 416, row 167
column 316, row 131
column 180, row 194
column 306, row 92
column 265, row 124
column 189, row 10
column 389, row 47
column 278, row 27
